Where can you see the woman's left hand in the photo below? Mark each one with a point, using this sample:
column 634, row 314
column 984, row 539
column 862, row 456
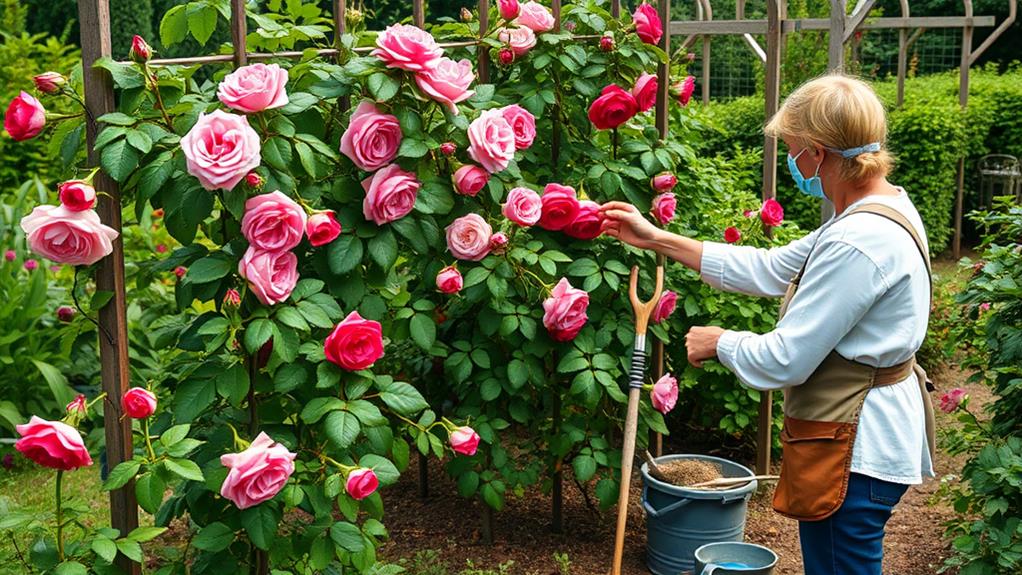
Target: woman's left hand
column 701, row 343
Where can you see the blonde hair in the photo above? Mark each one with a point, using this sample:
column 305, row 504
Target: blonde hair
column 837, row 112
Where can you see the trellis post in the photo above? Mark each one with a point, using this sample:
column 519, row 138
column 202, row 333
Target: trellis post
column 663, row 128
column 963, row 101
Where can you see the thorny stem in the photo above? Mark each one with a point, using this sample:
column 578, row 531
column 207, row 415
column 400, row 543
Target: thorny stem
column 60, row 519
column 154, row 83
column 78, row 306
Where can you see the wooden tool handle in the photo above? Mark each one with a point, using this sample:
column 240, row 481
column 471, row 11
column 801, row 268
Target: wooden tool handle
column 721, row 481
column 644, row 309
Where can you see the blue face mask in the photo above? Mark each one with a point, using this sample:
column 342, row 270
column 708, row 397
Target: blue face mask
column 810, row 186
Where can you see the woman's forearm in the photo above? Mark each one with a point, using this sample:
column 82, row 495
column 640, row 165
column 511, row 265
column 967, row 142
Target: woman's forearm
column 687, row 251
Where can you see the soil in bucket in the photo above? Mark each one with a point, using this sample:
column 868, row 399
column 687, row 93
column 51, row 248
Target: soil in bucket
column 684, row 472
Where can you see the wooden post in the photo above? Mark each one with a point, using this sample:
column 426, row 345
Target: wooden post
column 963, row 101
column 418, row 13
column 239, row 30
column 483, row 55
column 615, row 9
column 663, row 128
column 708, row 16
column 340, row 26
column 835, row 42
column 94, row 16
column 557, row 488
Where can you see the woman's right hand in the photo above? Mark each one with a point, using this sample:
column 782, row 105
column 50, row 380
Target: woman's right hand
column 624, row 222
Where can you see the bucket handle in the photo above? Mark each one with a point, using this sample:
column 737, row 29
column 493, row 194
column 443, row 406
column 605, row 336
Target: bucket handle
column 657, row 513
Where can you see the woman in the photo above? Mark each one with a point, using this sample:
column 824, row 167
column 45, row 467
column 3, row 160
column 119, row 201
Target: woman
column 858, row 422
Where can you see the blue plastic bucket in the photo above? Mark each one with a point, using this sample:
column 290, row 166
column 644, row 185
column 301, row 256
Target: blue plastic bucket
column 734, row 559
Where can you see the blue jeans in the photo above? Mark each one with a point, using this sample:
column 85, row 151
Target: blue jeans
column 851, row 541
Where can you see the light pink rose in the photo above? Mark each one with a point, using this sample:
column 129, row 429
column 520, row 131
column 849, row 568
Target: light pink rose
column 447, row 82
column 49, row 82
column 985, row 306
column 258, row 473
column 664, row 182
column 950, row 401
column 523, row 207
column 732, row 235
column 273, row 222
column 560, row 206
column 25, row 117
column 254, row 88
column 520, row 39
column 52, row 444
column 771, row 213
column 322, row 228
column 523, row 124
column 468, row 237
column 647, row 24
column 491, row 141
column 587, row 223
column 644, row 91
column 390, row 194
column 138, row 403
column 361, row 483
column 76, row 195
column 664, row 394
column 665, row 306
column 535, row 16
column 221, row 149
column 271, row 275
column 372, row 138
column 508, row 9
column 564, row 312
column 470, row 179
column 664, row 206
column 449, row 280
column 66, row 237
column 407, row 47
column 465, row 440
column 356, row 343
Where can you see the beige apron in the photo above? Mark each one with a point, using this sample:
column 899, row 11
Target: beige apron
column 821, row 416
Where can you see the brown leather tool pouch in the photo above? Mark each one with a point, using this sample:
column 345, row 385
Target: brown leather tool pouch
column 814, row 468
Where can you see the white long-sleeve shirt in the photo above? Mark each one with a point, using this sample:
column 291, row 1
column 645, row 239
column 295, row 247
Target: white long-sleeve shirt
column 865, row 294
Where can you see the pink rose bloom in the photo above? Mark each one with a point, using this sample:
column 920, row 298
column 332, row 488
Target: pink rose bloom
column 950, row 401
column 587, row 222
column 523, row 124
column 664, row 182
column 273, row 222
column 407, row 47
column 664, row 206
column 49, row 82
column 372, row 139
column 644, row 91
column 523, row 207
column 732, row 235
column 361, row 483
column 498, row 242
column 66, row 237
column 221, row 149
column 258, row 473
column 664, row 393
column 520, row 39
column 491, row 141
column 138, row 403
column 536, row 17
column 271, row 275
column 647, row 24
column 25, row 117
column 254, row 88
column 470, row 179
column 614, row 107
column 560, row 206
column 449, row 280
column 564, row 312
column 685, row 90
column 508, row 9
column 76, row 195
column 465, row 440
column 665, row 306
column 447, row 82
column 322, row 228
column 52, row 444
column 390, row 194
column 771, row 213
column 468, row 238
column 448, row 148
column 78, row 404
column 356, row 343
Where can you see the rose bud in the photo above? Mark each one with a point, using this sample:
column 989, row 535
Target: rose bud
column 158, row 213
column 76, row 195
column 607, row 43
column 8, row 461
column 322, row 228
column 10, row 255
column 180, row 271
column 138, row 403
column 952, row 399
column 161, row 248
column 466, row 15
column 664, row 182
column 508, row 9
column 732, row 235
column 31, row 265
column 263, row 355
column 448, row 148
column 140, row 50
column 498, row 242
column 506, row 56
column 449, row 280
column 65, row 313
column 985, row 306
column 569, row 26
column 232, row 298
column 254, row 180
column 49, row 82
column 361, row 483
column 464, row 440
column 25, row 117
column 54, row 268
column 77, row 405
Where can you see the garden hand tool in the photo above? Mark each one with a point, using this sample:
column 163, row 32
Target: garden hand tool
column 637, row 375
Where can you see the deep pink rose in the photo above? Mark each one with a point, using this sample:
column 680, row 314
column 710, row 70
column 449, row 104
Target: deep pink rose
column 664, row 182
column 322, row 228
column 78, row 405
column 523, row 207
column 10, row 255
column 732, row 235
column 76, row 195
column 52, row 444
column 647, row 24
column 356, row 343
column 258, row 473
column 361, row 483
column 449, row 280
column 66, row 314
column 140, row 50
column 520, row 39
column 31, row 265
column 138, row 403
column 271, row 275
column 407, row 47
column 273, row 222
column 950, row 401
column 614, row 107
column 180, row 271
column 221, row 149
column 508, row 9
column 448, row 148
column 644, row 91
column 491, row 140
column 560, row 206
column 66, row 237
column 372, row 138
column 564, row 312
column 587, row 222
column 254, row 88
column 523, row 124
column 49, row 82
column 771, row 213
column 465, row 440
column 25, row 117
column 606, row 43
column 685, row 89
column 664, row 206
column 470, row 179
column 468, row 237
column 535, row 16
column 664, row 393
column 447, row 82
column 506, row 56
column 665, row 306
column 390, row 194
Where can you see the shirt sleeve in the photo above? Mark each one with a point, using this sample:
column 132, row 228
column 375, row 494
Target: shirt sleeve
column 839, row 286
column 754, row 271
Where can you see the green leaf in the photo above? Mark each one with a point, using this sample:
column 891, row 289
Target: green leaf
column 584, row 466
column 383, row 249
column 347, row 537
column 412, row 148
column 118, row 119
column 119, row 159
column 100, row 299
column 213, row 537
column 201, row 21
column 367, row 413
column 277, row 152
column 423, row 330
column 125, row 76
column 382, row 86
column 130, row 549
column 260, row 522
column 491, row 497
column 149, row 490
column 71, row 568
column 209, row 268
column 192, row 398
column 384, row 469
column 341, row 428
column 403, row 398
column 104, row 548
column 289, row 377
column 174, row 25
column 120, row 475
column 185, row 469
column 152, row 177
column 140, row 141
column 583, row 267
column 290, row 317
column 344, row 253
column 476, row 276
column 317, row 407
column 306, row 157
column 56, row 381
column 143, row 534
column 187, row 205
column 257, row 333
column 468, row 484
column 233, row 384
